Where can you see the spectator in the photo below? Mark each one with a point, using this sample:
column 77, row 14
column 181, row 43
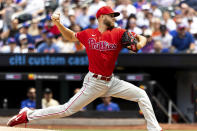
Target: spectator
column 164, row 37
column 143, row 27
column 123, row 22
column 65, row 46
column 49, row 46
column 138, row 4
column 77, row 7
column 92, row 23
column 31, row 48
column 190, row 19
column 178, row 18
column 33, row 30
column 170, row 24
column 75, row 27
column 83, row 19
column 64, row 4
column 11, row 47
column 38, row 38
column 95, row 6
column 142, row 16
column 156, row 27
column 178, row 21
column 24, row 30
column 150, row 19
column 107, row 105
column 148, row 48
column 126, row 4
column 191, row 23
column 190, row 3
column 158, row 47
column 10, row 31
column 182, row 40
column 31, row 101
column 9, row 10
column 156, row 11
column 23, row 43
column 21, row 3
column 184, row 9
column 72, row 17
column 48, row 100
column 2, row 8
column 110, row 3
column 44, row 33
column 60, row 2
column 166, row 3
column 64, row 17
column 131, row 26
column 34, row 7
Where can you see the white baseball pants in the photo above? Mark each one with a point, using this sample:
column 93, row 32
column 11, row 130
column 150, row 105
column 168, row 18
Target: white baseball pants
column 94, row 88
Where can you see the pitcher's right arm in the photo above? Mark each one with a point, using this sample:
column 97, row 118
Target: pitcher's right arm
column 67, row 33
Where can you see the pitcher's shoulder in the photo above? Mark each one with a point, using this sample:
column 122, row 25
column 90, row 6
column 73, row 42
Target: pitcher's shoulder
column 90, row 30
column 118, row 30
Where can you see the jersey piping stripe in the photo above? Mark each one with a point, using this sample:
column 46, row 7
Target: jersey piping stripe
column 61, row 111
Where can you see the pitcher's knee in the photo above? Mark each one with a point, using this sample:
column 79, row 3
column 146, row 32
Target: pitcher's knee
column 142, row 94
column 68, row 110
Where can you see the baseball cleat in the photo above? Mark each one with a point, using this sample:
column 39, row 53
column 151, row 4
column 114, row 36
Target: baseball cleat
column 19, row 119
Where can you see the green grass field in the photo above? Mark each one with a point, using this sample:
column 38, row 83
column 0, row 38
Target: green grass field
column 116, row 130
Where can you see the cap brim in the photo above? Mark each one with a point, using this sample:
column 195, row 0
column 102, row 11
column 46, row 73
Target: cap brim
column 116, row 14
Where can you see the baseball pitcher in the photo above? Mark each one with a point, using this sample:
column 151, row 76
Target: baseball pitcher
column 102, row 46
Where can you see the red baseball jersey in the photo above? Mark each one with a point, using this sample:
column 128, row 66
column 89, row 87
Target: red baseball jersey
column 102, row 49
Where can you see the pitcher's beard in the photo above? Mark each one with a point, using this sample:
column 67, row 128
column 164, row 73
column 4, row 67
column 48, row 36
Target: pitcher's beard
column 109, row 25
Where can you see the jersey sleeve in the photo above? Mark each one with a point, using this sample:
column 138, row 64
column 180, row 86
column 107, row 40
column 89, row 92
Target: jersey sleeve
column 82, row 37
column 120, row 33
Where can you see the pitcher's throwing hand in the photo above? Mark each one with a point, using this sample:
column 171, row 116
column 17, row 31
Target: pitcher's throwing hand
column 55, row 17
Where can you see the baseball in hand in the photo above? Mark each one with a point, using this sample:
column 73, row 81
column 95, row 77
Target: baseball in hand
column 55, row 16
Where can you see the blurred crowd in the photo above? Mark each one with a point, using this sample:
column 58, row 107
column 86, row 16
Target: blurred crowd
column 49, row 101
column 25, row 25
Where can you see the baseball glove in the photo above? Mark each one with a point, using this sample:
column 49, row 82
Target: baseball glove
column 129, row 41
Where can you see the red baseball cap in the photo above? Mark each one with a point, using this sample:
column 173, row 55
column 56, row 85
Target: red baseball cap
column 106, row 10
